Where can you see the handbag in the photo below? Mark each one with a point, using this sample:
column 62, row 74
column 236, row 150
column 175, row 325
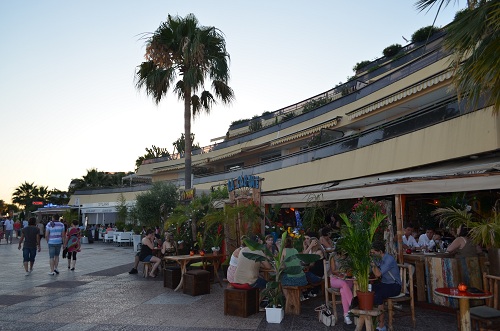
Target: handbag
column 325, row 315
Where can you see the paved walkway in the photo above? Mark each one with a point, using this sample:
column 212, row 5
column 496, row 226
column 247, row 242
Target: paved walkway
column 101, row 295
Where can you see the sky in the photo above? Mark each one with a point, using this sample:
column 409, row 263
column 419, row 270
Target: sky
column 68, row 99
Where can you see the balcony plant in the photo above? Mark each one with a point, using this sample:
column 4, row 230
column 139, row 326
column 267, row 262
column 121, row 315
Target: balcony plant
column 273, row 290
column 356, row 242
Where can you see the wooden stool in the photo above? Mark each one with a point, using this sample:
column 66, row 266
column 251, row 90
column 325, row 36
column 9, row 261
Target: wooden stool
column 365, row 318
column 146, row 268
column 171, row 276
column 199, row 266
column 242, row 303
column 197, row 282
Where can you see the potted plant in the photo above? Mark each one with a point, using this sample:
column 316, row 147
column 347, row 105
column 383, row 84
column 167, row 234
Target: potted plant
column 273, row 290
column 485, row 230
column 356, row 242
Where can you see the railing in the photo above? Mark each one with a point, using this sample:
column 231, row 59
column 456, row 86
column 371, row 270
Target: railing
column 346, row 89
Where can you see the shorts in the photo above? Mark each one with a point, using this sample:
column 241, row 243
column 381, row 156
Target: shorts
column 29, row 254
column 54, row 250
column 147, row 258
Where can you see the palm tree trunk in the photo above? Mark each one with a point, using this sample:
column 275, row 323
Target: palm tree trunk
column 187, row 136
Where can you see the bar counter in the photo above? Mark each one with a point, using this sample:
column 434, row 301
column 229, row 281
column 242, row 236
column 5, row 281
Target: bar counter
column 435, row 270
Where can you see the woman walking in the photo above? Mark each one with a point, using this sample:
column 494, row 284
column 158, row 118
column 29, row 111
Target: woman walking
column 73, row 246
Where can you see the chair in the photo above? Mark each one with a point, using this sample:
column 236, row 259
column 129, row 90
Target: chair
column 332, row 292
column 108, row 237
column 406, row 274
column 487, row 316
column 123, row 237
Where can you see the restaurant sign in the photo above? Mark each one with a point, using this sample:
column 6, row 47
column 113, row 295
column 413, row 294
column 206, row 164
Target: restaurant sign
column 188, row 195
column 250, row 181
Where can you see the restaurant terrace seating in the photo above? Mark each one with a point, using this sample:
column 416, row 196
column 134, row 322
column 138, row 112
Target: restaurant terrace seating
column 109, row 237
column 487, row 317
column 241, row 302
column 124, row 237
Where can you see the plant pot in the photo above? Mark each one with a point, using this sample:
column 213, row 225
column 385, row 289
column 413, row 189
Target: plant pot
column 365, row 300
column 274, row 315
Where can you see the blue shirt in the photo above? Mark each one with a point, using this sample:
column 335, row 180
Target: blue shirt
column 388, row 267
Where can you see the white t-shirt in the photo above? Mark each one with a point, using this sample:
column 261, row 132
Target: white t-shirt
column 9, row 225
column 410, row 242
column 423, row 240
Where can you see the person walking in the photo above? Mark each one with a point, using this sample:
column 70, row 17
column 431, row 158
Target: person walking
column 55, row 234
column 30, row 235
column 9, row 227
column 73, row 244
column 17, row 229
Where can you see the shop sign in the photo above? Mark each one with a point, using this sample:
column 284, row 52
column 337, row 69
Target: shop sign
column 250, row 181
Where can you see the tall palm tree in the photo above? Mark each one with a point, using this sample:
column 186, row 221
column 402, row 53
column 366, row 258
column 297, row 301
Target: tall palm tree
column 474, row 38
column 24, row 194
column 181, row 47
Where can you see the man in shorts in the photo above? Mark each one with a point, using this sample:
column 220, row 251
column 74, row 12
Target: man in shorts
column 55, row 234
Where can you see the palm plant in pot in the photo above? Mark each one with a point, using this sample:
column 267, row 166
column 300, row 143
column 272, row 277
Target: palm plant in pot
column 356, row 242
column 484, row 230
column 273, row 290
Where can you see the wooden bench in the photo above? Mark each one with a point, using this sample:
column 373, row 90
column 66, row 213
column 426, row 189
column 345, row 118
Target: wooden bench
column 292, row 295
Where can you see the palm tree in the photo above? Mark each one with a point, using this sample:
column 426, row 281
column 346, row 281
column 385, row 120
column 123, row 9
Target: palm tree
column 181, row 47
column 24, row 194
column 474, row 38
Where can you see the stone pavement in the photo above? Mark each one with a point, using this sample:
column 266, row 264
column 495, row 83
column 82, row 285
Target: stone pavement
column 101, row 295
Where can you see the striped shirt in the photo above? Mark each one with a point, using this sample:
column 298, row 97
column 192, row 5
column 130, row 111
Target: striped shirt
column 54, row 233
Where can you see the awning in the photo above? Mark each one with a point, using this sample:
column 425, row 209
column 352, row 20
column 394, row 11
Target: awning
column 451, row 177
column 306, row 132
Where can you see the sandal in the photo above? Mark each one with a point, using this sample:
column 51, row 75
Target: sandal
column 153, row 276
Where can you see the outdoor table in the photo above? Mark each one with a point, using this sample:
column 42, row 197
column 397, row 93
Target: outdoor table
column 184, row 260
column 463, row 299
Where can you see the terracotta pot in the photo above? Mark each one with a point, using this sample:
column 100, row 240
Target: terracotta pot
column 365, row 300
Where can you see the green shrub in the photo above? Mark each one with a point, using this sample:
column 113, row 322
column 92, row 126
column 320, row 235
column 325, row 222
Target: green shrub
column 392, row 50
column 287, row 116
column 255, row 124
column 313, row 104
column 423, row 33
column 240, row 121
column 360, row 65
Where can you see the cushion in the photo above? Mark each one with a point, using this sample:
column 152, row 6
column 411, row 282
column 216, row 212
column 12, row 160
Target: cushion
column 484, row 312
column 241, row 286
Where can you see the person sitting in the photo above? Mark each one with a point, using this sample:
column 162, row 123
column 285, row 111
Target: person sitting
column 387, row 270
column 409, row 241
column 247, row 271
column 316, row 270
column 146, row 254
column 168, row 247
column 233, row 262
column 338, row 280
column 463, row 246
column 325, row 240
column 426, row 240
column 270, row 245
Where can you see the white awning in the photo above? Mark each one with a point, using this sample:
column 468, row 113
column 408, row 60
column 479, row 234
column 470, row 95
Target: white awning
column 452, row 177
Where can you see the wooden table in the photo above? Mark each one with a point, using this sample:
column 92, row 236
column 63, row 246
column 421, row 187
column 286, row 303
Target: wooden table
column 463, row 299
column 184, row 260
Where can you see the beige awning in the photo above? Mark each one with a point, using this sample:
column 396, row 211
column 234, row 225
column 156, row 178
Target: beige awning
column 307, row 132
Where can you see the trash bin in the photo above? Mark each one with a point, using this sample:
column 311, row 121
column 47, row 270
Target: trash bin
column 136, row 239
column 89, row 235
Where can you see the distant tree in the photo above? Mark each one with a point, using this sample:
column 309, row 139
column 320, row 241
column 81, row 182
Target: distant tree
column 182, row 47
column 180, row 144
column 24, row 196
column 152, row 153
column 121, row 209
column 148, row 207
column 97, row 179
